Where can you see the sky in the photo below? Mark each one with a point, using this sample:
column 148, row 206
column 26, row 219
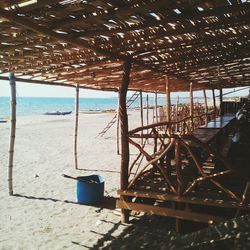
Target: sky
column 38, row 90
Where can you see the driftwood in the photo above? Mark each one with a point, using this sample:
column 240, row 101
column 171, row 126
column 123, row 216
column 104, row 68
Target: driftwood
column 214, row 102
column 168, row 100
column 221, row 103
column 12, row 131
column 206, row 106
column 141, row 113
column 118, row 129
column 76, row 125
column 124, row 132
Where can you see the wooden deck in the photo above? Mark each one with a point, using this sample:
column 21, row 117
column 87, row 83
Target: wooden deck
column 188, row 176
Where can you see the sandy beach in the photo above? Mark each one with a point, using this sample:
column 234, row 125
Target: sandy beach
column 44, row 214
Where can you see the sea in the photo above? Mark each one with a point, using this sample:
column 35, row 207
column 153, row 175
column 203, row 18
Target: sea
column 41, row 105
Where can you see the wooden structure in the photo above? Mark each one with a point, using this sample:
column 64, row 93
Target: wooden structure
column 122, row 45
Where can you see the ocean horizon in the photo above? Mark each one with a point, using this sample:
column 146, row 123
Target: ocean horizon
column 40, row 105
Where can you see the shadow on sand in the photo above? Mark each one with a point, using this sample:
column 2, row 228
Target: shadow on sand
column 108, row 202
column 156, row 232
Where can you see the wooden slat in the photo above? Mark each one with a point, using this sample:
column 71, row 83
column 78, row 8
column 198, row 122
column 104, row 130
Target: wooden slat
column 185, row 40
column 190, row 200
column 180, row 214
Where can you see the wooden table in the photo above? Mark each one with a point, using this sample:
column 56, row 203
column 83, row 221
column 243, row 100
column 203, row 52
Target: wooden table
column 206, row 135
column 225, row 118
column 215, row 124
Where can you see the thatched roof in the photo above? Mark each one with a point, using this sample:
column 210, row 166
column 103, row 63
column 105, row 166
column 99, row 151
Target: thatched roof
column 73, row 41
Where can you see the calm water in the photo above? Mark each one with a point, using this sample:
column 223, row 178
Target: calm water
column 40, row 105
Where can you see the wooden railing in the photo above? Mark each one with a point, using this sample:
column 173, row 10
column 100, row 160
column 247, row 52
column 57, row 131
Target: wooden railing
column 161, row 161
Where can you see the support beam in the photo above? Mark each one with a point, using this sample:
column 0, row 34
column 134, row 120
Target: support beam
column 147, row 113
column 221, row 102
column 141, row 108
column 118, row 128
column 12, row 131
column 206, row 106
column 191, row 106
column 176, row 112
column 156, row 108
column 214, row 102
column 76, row 124
column 42, row 82
column 179, row 179
column 124, row 132
column 191, row 112
column 147, row 108
column 168, row 101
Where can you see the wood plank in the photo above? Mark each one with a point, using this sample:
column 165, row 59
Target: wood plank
column 184, row 199
column 180, row 214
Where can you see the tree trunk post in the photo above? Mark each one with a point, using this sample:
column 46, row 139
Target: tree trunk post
column 206, row 107
column 12, row 131
column 76, row 124
column 156, row 108
column 141, row 109
column 191, row 111
column 168, row 101
column 147, row 113
column 221, row 102
column 176, row 112
column 118, row 129
column 124, row 132
column 214, row 103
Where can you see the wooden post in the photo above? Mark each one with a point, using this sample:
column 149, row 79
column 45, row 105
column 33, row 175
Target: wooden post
column 124, row 132
column 147, row 113
column 176, row 112
column 221, row 102
column 118, row 128
column 179, row 179
column 191, row 111
column 214, row 103
column 76, row 124
column 147, row 108
column 168, row 101
column 12, row 131
column 156, row 108
column 206, row 107
column 141, row 108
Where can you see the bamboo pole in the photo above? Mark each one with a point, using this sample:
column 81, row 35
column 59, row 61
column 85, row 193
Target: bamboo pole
column 191, row 111
column 147, row 108
column 221, row 103
column 118, row 129
column 76, row 124
column 147, row 113
column 156, row 108
column 206, row 107
column 12, row 131
column 176, row 112
column 168, row 101
column 214, row 103
column 179, row 179
column 124, row 132
column 141, row 108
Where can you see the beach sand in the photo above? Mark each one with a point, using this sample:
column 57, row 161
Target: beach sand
column 44, row 214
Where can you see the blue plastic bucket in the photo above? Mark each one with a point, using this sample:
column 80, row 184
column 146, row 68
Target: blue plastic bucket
column 89, row 189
